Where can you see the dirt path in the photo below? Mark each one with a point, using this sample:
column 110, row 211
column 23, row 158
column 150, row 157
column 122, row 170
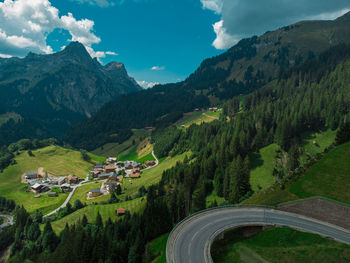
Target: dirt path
column 248, row 255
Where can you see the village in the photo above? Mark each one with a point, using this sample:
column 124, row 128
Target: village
column 112, row 173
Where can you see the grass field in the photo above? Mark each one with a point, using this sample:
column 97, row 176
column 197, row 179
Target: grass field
column 323, row 140
column 198, row 118
column 81, row 193
column 148, row 178
column 55, row 160
column 279, row 245
column 114, row 149
column 262, row 164
column 151, row 176
column 106, row 211
column 157, row 248
column 328, row 178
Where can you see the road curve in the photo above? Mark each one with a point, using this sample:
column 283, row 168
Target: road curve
column 9, row 221
column 191, row 240
column 157, row 162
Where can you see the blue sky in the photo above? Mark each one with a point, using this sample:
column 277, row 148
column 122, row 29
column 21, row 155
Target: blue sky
column 174, row 36
column 157, row 40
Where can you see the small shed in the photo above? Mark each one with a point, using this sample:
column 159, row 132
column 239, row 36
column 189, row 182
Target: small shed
column 120, row 211
column 52, row 194
column 94, row 193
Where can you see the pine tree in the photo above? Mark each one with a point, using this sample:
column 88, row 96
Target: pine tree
column 343, row 134
column 99, row 221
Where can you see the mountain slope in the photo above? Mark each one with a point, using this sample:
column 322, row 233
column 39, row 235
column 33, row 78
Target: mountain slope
column 51, row 91
column 258, row 60
column 247, row 66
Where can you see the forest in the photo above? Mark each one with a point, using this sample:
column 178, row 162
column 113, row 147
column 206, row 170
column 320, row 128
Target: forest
column 311, row 97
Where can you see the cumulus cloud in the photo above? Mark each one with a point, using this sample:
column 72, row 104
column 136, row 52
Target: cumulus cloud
column 215, row 5
column 25, row 25
column 244, row 18
column 146, row 84
column 157, row 68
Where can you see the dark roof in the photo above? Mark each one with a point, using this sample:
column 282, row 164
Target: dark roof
column 95, row 191
column 51, row 193
column 31, row 173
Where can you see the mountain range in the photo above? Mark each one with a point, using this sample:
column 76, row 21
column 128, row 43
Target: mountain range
column 247, row 66
column 42, row 95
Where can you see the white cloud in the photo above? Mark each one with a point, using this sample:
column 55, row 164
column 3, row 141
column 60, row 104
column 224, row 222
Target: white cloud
column 157, row 68
column 25, row 25
column 214, row 5
column 223, row 39
column 146, row 84
column 111, row 53
column 245, row 18
column 5, row 56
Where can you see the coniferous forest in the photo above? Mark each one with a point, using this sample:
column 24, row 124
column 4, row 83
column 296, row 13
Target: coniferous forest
column 311, row 97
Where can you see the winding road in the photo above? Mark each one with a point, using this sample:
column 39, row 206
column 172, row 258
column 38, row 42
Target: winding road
column 191, row 240
column 8, row 223
column 157, row 162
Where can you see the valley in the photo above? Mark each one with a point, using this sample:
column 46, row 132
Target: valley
column 253, row 148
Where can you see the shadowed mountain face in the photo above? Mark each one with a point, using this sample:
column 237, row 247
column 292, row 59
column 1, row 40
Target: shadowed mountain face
column 49, row 92
column 255, row 61
column 247, row 66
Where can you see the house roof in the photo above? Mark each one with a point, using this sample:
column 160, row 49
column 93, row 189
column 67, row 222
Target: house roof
column 134, row 175
column 52, row 193
column 106, row 174
column 35, row 182
column 36, row 186
column 31, row 173
column 110, row 167
column 95, row 191
column 121, row 211
column 99, row 165
column 111, row 182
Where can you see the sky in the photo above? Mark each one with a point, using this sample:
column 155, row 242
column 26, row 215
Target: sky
column 159, row 41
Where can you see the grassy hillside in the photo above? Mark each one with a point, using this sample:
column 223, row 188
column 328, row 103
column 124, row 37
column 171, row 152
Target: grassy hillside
column 279, row 245
column 198, row 118
column 148, row 178
column 158, row 247
column 55, row 160
column 106, row 211
column 113, row 149
column 329, row 178
column 263, row 162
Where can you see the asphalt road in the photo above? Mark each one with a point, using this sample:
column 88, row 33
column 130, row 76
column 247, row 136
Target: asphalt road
column 9, row 221
column 157, row 162
column 191, row 240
